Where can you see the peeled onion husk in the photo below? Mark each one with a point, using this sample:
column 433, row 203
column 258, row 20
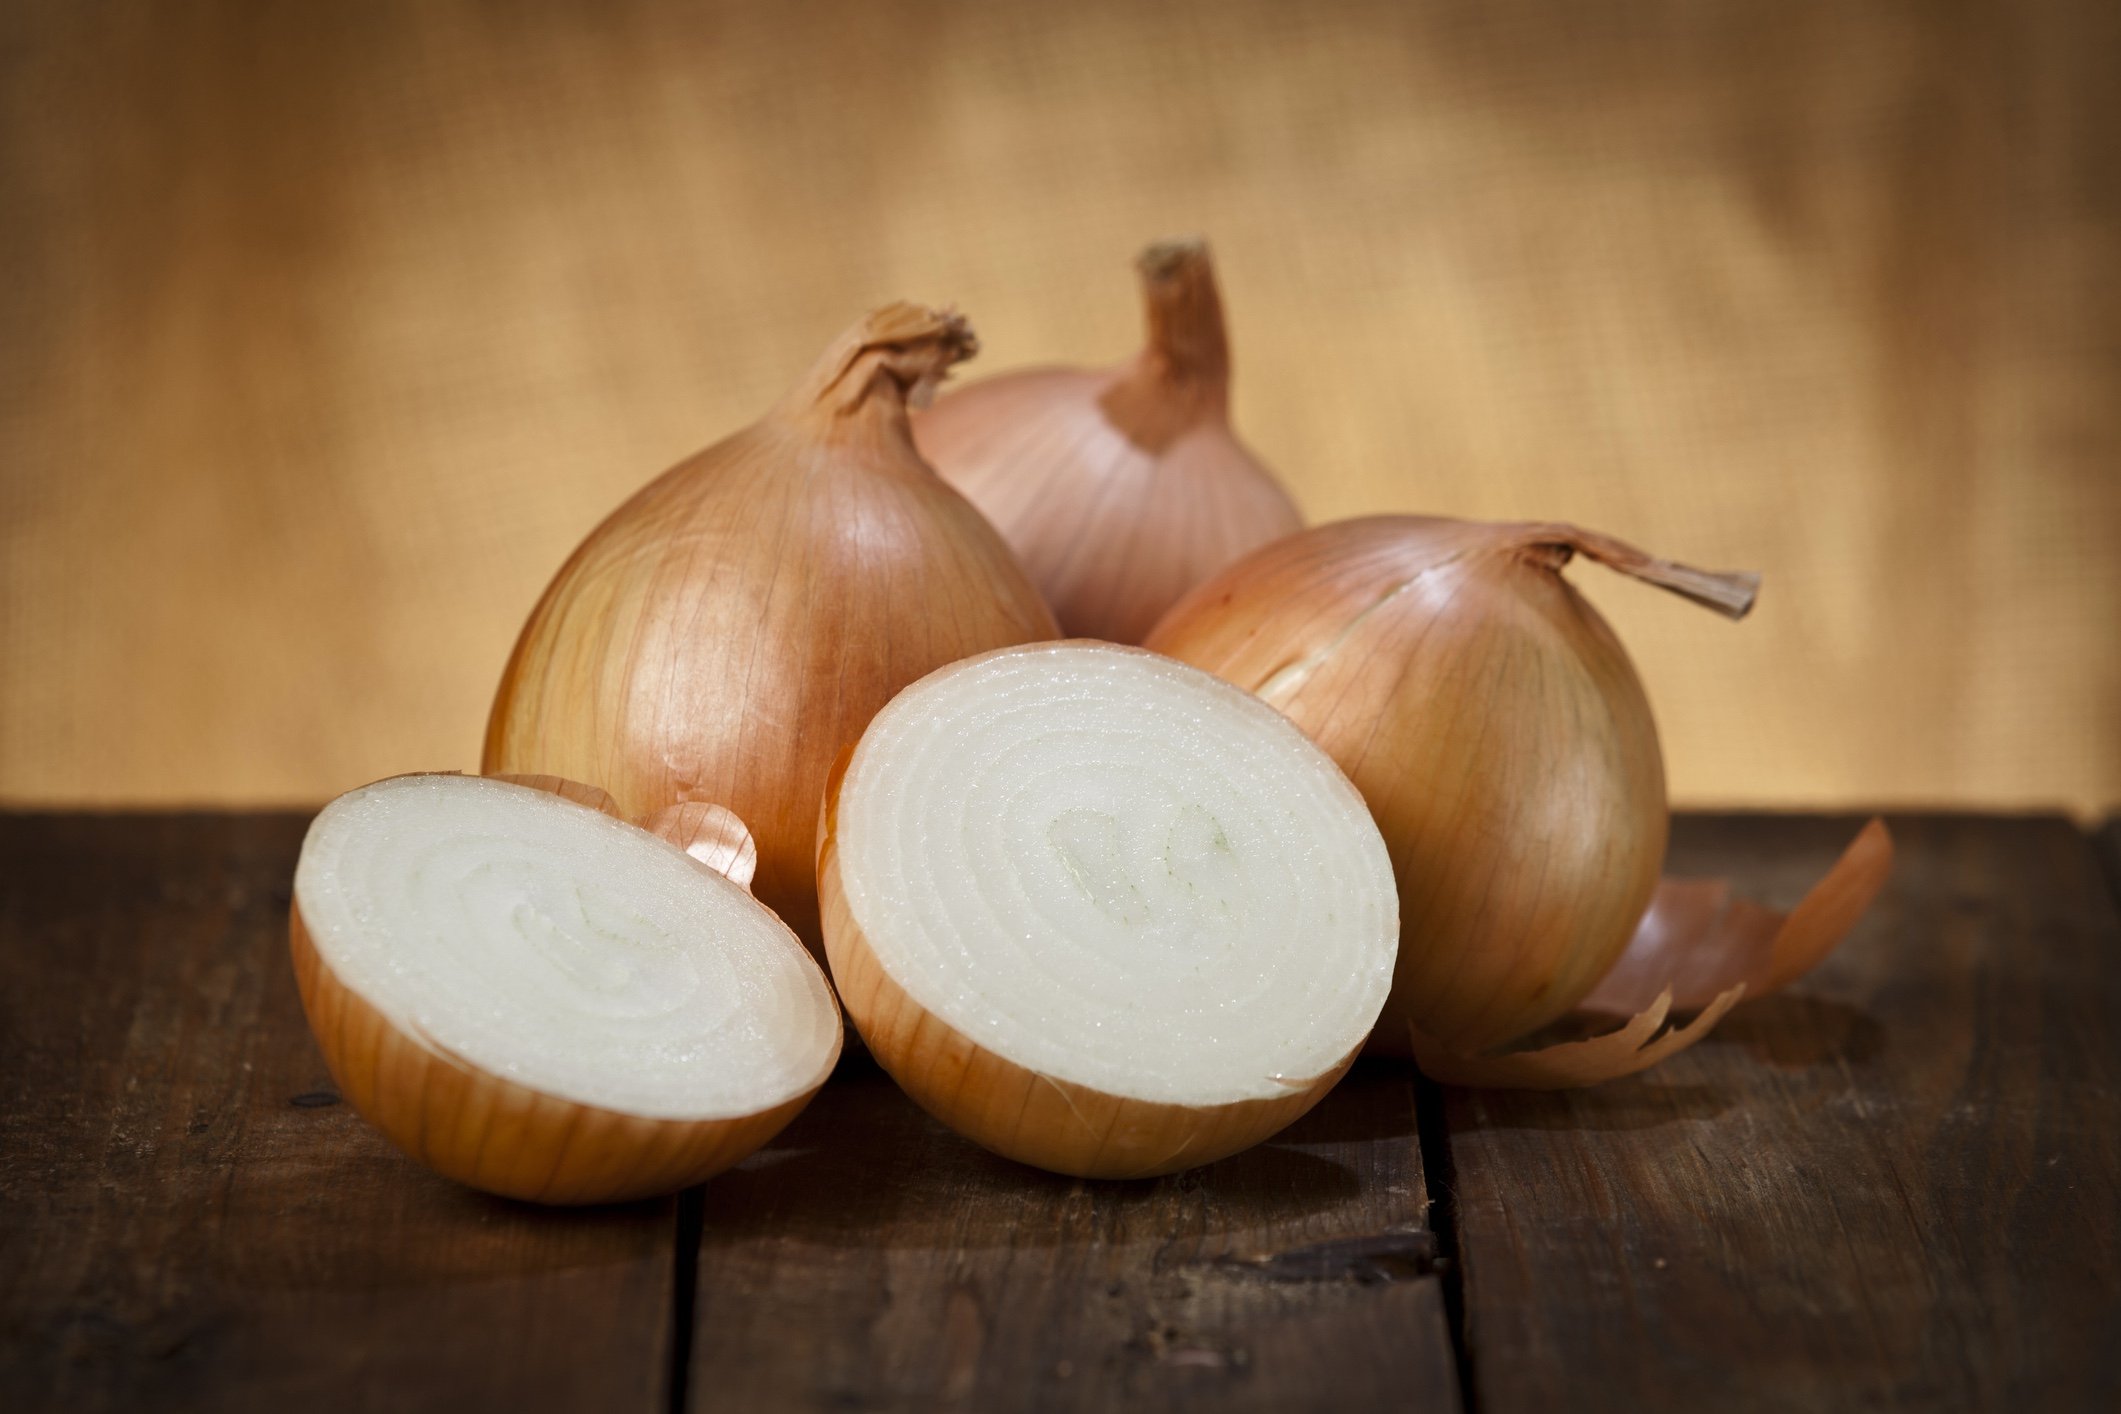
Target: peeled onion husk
column 1504, row 743
column 729, row 630
column 500, row 1092
column 1119, row 489
column 1100, row 913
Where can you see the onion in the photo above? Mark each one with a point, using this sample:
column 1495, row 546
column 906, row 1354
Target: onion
column 1503, row 741
column 544, row 1002
column 1121, row 488
column 729, row 630
column 1101, row 913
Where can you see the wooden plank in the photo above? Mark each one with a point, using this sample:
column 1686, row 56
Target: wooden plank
column 1897, row 1185
column 188, row 1217
column 872, row 1260
column 2107, row 840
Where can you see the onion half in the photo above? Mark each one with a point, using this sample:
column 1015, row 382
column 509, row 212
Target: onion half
column 1100, row 912
column 1501, row 737
column 542, row 1001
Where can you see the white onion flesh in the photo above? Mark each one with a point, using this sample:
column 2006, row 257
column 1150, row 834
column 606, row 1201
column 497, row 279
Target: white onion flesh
column 563, row 950
column 1114, row 870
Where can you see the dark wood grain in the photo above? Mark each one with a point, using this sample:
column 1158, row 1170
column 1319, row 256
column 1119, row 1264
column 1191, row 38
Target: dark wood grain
column 188, row 1217
column 871, row 1260
column 2107, row 839
column 1896, row 1185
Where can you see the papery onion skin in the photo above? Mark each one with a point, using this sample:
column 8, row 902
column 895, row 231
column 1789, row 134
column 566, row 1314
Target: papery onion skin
column 1497, row 729
column 735, row 624
column 1007, row 1108
column 491, row 1133
column 1120, row 489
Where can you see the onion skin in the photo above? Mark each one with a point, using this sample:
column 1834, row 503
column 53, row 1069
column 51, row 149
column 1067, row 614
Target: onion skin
column 735, row 624
column 1013, row 1111
column 1498, row 731
column 1702, row 950
column 1568, row 1065
column 1697, row 939
column 1120, row 489
column 492, row 1134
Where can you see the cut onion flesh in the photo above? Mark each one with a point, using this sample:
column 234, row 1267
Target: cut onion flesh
column 541, row 1000
column 1102, row 912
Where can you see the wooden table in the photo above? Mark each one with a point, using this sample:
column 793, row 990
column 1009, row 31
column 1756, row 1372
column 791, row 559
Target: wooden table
column 1895, row 1186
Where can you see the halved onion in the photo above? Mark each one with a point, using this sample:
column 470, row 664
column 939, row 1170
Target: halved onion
column 1101, row 912
column 543, row 1001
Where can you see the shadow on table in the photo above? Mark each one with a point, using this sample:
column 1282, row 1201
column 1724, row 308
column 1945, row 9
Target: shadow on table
column 1786, row 1032
column 864, row 1160
column 1792, row 1030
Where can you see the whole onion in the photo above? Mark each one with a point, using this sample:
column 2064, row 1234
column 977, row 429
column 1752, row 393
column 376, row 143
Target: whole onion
column 730, row 629
column 1504, row 743
column 1121, row 488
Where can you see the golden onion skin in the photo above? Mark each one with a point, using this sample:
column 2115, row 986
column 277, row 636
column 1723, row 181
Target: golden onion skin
column 726, row 632
column 1495, row 726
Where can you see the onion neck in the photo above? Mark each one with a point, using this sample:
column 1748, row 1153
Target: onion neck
column 863, row 386
column 1182, row 376
column 1729, row 592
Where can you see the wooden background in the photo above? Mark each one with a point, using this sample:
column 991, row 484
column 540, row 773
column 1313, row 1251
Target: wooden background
column 326, row 330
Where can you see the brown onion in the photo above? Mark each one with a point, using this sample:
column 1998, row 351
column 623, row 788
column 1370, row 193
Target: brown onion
column 1120, row 489
column 725, row 633
column 1504, row 743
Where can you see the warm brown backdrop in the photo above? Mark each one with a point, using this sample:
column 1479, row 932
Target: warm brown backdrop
column 326, row 330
